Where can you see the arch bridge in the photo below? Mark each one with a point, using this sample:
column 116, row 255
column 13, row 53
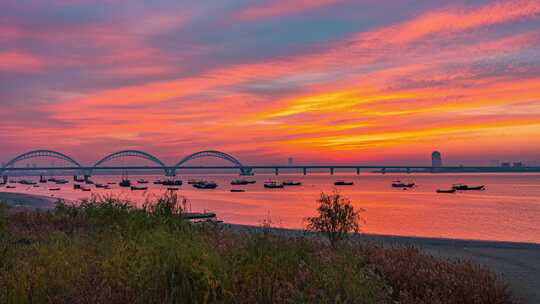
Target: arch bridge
column 39, row 154
column 131, row 153
column 216, row 154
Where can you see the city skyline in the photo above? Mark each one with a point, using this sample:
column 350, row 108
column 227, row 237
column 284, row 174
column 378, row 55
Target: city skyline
column 326, row 80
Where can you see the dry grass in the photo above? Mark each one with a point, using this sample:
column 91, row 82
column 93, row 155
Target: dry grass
column 106, row 251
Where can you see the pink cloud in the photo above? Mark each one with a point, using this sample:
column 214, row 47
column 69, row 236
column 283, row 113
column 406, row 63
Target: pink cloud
column 14, row 61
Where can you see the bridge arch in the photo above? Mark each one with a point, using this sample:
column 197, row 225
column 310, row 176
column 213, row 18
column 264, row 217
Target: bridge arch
column 216, row 154
column 131, row 153
column 39, row 154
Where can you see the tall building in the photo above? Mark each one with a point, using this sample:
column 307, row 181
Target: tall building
column 436, row 160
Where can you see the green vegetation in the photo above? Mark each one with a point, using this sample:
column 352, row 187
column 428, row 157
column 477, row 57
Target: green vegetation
column 337, row 218
column 106, row 251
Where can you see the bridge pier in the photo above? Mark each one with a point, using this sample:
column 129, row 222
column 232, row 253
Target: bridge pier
column 277, row 171
column 357, row 170
column 245, row 171
column 408, row 170
column 305, row 171
column 170, row 172
column 331, row 171
column 383, row 170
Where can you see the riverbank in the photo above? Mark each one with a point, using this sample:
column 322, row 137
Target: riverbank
column 517, row 263
column 30, row 201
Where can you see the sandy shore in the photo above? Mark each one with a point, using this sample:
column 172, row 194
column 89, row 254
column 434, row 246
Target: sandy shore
column 517, row 263
column 27, row 200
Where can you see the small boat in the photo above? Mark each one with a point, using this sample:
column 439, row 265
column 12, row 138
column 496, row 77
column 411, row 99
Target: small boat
column 343, row 183
column 138, row 188
column 446, row 191
column 462, row 187
column 172, row 189
column 238, row 190
column 27, row 182
column 125, row 183
column 52, row 179
column 239, row 182
column 193, row 181
column 291, row 183
column 242, row 182
column 205, row 185
column 142, row 181
column 399, row 184
column 273, row 185
column 101, row 186
column 61, row 181
column 171, row 182
column 54, row 189
column 36, row 186
column 158, row 182
column 11, row 187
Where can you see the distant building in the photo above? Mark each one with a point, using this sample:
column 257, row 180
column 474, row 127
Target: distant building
column 290, row 161
column 517, row 164
column 436, row 160
column 505, row 165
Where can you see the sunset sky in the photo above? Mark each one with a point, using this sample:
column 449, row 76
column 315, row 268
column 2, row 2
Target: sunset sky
column 378, row 81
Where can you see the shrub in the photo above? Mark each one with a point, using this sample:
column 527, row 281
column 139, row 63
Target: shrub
column 337, row 217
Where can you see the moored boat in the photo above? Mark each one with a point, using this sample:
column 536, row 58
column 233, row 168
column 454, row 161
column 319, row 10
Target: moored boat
column 172, row 189
column 343, row 183
column 463, row 187
column 138, row 188
column 142, row 181
column 171, row 182
column 273, row 185
column 238, row 190
column 10, row 187
column 446, row 191
column 291, row 183
column 54, row 189
column 205, row 185
column 399, row 184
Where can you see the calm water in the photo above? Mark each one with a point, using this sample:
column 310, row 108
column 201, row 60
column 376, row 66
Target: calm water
column 509, row 210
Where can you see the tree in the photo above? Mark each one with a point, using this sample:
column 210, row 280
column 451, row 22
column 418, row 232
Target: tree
column 337, row 217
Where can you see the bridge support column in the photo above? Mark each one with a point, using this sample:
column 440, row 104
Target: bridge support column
column 331, row 171
column 4, row 179
column 408, row 170
column 357, row 171
column 170, row 172
column 246, row 171
column 383, row 170
column 305, row 171
column 277, row 171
